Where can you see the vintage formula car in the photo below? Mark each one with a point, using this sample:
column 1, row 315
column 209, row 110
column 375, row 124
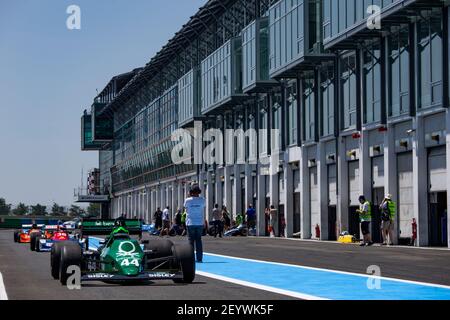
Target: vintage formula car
column 121, row 258
column 43, row 242
column 24, row 234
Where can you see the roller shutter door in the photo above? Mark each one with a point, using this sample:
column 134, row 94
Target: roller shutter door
column 353, row 181
column 332, row 185
column 405, row 194
column 314, row 199
column 378, row 172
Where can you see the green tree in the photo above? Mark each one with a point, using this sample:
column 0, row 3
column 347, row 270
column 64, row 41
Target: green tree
column 20, row 210
column 74, row 211
column 38, row 210
column 5, row 209
column 57, row 210
column 93, row 210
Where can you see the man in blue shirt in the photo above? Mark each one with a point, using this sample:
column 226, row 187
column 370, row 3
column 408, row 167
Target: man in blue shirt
column 251, row 217
column 195, row 219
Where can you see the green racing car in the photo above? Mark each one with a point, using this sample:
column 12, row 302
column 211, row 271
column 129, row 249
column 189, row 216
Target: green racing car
column 120, row 258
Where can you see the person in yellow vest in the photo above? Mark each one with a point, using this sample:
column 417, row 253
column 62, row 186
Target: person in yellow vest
column 387, row 209
column 365, row 216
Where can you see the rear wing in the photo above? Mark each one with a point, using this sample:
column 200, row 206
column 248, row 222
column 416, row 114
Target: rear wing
column 51, row 227
column 105, row 227
column 29, row 226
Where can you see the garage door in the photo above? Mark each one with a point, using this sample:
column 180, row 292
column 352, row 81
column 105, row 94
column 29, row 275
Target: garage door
column 378, row 172
column 353, row 180
column 332, row 185
column 314, row 199
column 437, row 169
column 281, row 188
column 405, row 188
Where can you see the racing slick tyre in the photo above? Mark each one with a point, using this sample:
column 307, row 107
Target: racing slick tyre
column 16, row 236
column 70, row 256
column 33, row 238
column 184, row 253
column 160, row 248
column 55, row 258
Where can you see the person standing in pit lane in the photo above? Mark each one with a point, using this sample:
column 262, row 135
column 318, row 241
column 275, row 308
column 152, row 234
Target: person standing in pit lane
column 195, row 219
column 251, row 217
column 365, row 216
column 165, row 221
column 157, row 217
column 273, row 221
column 226, row 220
column 217, row 221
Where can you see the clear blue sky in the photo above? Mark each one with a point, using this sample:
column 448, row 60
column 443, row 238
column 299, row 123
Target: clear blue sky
column 49, row 75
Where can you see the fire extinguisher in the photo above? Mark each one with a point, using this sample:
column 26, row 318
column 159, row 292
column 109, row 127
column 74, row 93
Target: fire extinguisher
column 414, row 231
column 317, row 231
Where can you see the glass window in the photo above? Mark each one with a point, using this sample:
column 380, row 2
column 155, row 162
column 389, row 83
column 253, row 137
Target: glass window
column 286, row 33
column 398, row 73
column 217, row 74
column 348, row 91
column 276, row 116
column 342, row 14
column 326, row 8
column 350, row 12
column 429, row 51
column 334, row 17
column 327, row 92
column 264, row 50
column 372, row 83
column 309, row 107
column 263, row 124
column 292, row 109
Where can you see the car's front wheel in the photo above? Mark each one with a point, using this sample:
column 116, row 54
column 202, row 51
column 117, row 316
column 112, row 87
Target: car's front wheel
column 33, row 238
column 70, row 256
column 55, row 258
column 184, row 253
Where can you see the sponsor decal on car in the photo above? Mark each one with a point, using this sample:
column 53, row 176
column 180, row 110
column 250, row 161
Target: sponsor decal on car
column 128, row 255
column 104, row 223
column 161, row 275
column 100, row 276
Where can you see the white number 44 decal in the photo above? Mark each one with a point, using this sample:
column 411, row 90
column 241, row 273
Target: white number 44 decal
column 129, row 262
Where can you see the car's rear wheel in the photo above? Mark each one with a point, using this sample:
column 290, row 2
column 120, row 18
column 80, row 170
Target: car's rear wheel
column 184, row 254
column 160, row 248
column 33, row 238
column 16, row 236
column 55, row 258
column 70, row 256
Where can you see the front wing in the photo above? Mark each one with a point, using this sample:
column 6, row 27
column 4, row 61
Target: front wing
column 143, row 276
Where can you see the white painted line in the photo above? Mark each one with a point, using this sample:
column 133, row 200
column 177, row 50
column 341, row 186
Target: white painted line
column 3, row 295
column 259, row 287
column 352, row 244
column 335, row 271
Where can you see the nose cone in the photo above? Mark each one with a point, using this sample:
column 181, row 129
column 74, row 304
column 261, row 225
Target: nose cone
column 130, row 271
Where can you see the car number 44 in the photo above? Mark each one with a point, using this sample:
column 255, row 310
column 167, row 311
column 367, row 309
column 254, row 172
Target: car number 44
column 130, row 262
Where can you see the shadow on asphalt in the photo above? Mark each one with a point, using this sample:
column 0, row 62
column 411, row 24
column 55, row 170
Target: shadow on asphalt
column 145, row 284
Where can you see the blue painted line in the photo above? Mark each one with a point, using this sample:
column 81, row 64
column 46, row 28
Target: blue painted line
column 326, row 284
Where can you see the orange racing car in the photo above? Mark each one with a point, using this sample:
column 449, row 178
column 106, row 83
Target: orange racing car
column 24, row 234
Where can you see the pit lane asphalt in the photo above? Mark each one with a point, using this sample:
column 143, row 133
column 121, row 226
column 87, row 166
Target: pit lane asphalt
column 26, row 276
column 414, row 264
